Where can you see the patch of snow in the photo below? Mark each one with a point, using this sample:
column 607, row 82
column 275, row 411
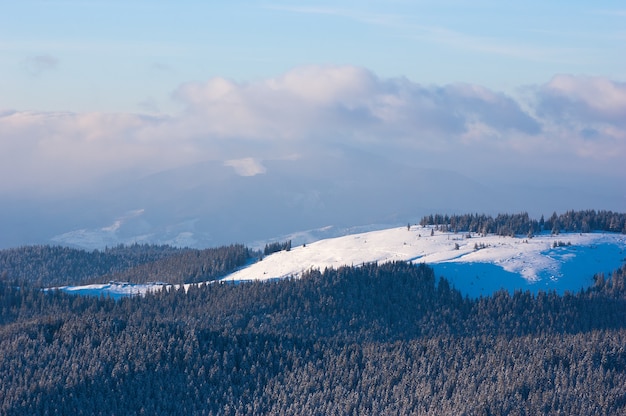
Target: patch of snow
column 114, row 290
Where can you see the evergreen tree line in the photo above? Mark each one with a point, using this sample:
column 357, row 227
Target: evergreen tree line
column 375, row 339
column 521, row 224
column 276, row 247
column 57, row 266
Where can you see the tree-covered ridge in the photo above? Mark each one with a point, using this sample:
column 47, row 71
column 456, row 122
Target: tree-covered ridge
column 522, row 224
column 375, row 339
column 189, row 266
column 56, row 266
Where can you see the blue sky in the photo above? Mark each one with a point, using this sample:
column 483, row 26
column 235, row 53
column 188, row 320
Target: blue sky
column 131, row 55
column 507, row 94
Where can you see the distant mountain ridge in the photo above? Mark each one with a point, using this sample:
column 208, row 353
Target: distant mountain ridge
column 210, row 203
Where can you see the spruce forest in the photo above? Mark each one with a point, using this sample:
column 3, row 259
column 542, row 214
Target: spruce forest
column 375, row 339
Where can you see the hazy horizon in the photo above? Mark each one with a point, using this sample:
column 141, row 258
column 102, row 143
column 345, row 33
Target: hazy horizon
column 221, row 123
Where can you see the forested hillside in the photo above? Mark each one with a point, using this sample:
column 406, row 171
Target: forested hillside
column 141, row 263
column 56, row 266
column 376, row 339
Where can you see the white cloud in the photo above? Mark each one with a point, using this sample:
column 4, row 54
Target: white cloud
column 246, row 167
column 586, row 117
column 344, row 103
column 569, row 120
column 59, row 150
column 594, row 99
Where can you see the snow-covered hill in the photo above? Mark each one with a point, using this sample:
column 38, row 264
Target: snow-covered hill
column 475, row 264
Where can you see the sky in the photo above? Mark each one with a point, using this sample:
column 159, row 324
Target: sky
column 499, row 92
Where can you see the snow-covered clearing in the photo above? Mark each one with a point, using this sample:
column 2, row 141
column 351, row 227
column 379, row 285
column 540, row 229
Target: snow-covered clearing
column 475, row 264
column 520, row 263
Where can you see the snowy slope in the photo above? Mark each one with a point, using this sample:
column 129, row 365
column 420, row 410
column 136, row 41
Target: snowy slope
column 520, row 263
column 499, row 262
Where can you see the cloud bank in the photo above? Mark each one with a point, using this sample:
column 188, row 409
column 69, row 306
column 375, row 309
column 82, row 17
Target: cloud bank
column 570, row 123
column 585, row 104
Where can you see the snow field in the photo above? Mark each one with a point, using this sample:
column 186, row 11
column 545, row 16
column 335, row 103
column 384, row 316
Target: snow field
column 521, row 262
column 499, row 262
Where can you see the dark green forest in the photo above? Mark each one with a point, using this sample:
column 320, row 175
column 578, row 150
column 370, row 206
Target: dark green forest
column 138, row 263
column 521, row 224
column 375, row 339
